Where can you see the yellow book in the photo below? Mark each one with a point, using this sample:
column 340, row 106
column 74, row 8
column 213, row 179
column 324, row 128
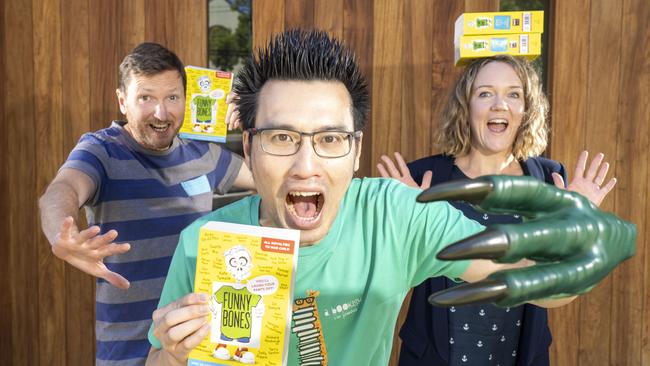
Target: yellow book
column 205, row 104
column 504, row 22
column 471, row 47
column 249, row 274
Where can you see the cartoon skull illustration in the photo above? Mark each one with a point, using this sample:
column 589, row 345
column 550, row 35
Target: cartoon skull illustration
column 238, row 262
column 205, row 84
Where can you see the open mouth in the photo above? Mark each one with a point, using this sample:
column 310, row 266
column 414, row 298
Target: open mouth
column 305, row 208
column 160, row 128
column 497, row 125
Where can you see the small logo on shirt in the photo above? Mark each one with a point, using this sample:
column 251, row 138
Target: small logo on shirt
column 342, row 310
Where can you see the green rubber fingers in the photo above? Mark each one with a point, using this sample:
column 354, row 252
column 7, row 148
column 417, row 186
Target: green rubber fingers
column 574, row 244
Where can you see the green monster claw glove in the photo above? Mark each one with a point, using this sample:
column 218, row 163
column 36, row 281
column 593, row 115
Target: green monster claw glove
column 574, row 243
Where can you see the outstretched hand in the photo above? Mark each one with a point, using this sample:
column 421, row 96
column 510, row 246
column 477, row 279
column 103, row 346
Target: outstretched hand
column 401, row 172
column 87, row 249
column 589, row 184
column 574, row 244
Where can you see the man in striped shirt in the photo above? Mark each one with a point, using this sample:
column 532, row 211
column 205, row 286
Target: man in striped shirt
column 140, row 185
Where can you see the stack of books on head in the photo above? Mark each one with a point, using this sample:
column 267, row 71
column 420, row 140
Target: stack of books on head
column 517, row 33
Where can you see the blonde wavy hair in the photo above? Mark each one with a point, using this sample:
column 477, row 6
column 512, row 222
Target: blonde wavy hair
column 454, row 135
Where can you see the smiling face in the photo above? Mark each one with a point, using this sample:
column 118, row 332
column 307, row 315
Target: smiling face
column 154, row 106
column 302, row 191
column 496, row 109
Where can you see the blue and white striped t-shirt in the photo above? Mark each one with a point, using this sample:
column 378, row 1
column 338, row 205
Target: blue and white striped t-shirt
column 148, row 197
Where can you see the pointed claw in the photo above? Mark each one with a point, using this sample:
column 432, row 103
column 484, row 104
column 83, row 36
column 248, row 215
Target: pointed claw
column 469, row 293
column 471, row 191
column 488, row 244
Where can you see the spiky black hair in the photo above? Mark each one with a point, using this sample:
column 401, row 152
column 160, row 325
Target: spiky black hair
column 301, row 55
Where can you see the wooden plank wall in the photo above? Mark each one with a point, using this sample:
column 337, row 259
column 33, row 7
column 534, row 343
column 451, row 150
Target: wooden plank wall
column 599, row 91
column 59, row 70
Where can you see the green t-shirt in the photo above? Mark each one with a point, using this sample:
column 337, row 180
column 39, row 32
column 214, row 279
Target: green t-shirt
column 236, row 306
column 381, row 244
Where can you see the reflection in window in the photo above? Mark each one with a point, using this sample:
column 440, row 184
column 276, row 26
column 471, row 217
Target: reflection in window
column 541, row 62
column 229, row 33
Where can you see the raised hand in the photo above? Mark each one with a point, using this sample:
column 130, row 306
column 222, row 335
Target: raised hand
column 401, row 172
column 181, row 325
column 574, row 244
column 87, row 249
column 232, row 114
column 590, row 184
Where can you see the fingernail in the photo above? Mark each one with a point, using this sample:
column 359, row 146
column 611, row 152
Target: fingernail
column 471, row 191
column 203, row 297
column 471, row 293
column 488, row 244
column 204, row 309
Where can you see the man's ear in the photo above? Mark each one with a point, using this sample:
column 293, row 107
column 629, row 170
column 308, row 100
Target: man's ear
column 121, row 100
column 246, row 143
column 357, row 158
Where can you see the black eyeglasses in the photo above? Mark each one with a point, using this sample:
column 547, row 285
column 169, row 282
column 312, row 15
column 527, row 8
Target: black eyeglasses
column 326, row 144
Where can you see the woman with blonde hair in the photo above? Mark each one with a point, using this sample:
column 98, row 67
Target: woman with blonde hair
column 493, row 123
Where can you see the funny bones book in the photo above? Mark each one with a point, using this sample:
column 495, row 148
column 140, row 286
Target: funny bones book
column 205, row 104
column 249, row 274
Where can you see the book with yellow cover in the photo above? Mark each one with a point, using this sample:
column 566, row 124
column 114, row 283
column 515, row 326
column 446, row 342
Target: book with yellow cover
column 249, row 274
column 504, row 22
column 205, row 104
column 469, row 48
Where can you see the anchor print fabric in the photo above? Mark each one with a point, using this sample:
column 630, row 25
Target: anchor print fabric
column 484, row 334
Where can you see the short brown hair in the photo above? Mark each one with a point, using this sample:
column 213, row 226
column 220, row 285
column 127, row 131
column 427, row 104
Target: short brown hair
column 149, row 58
column 454, row 136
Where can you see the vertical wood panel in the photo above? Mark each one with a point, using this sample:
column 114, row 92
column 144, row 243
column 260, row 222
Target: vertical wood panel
column 569, row 52
column 388, row 28
column 172, row 23
column 631, row 198
column 416, row 92
column 132, row 24
column 635, row 81
column 49, row 132
column 604, row 25
column 79, row 287
column 299, row 14
column 328, row 16
column 20, row 162
column 358, row 34
column 480, row 6
column 102, row 62
column 156, row 21
column 268, row 18
column 189, row 21
column 5, row 274
column 443, row 72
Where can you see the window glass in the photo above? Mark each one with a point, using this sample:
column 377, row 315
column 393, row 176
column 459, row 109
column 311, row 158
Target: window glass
column 229, row 33
column 229, row 44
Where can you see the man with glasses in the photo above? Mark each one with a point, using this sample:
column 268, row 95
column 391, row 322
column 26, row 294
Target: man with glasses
column 365, row 242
